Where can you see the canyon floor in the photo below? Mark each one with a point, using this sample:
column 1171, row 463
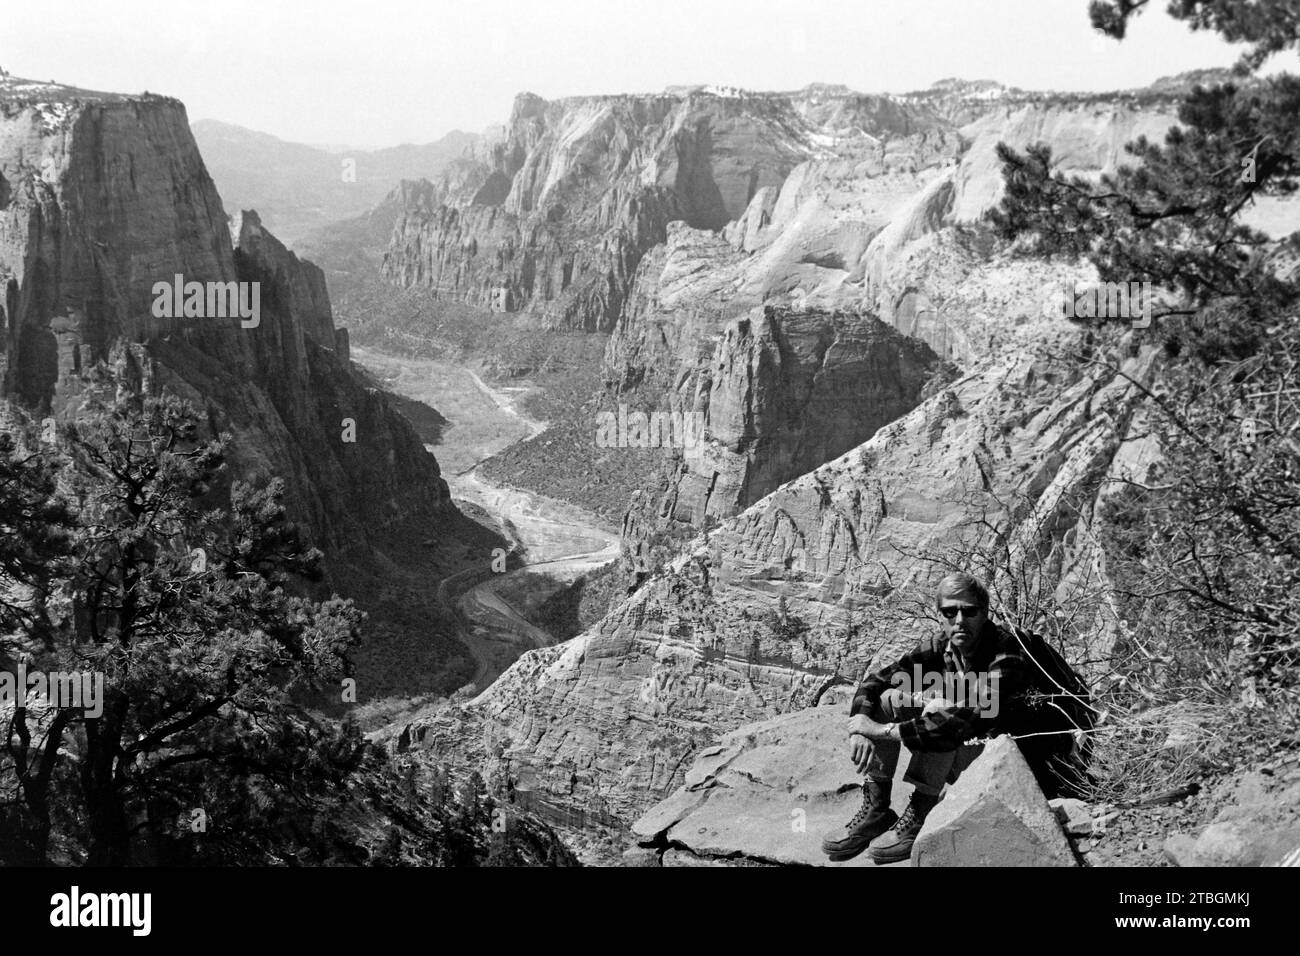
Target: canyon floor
column 555, row 540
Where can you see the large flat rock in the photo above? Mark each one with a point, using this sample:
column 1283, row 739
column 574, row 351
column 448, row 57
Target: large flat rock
column 768, row 794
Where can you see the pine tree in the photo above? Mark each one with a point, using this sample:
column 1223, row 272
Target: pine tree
column 186, row 607
column 1174, row 216
column 1270, row 26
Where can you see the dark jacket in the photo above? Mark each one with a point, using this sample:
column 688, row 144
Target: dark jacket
column 1024, row 689
column 993, row 694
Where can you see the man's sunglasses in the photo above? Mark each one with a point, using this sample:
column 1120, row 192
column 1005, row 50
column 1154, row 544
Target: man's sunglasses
column 967, row 610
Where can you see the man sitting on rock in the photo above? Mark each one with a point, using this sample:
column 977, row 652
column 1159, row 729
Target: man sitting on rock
column 974, row 683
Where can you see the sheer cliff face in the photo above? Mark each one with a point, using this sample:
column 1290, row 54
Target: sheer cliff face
column 100, row 199
column 102, row 196
column 557, row 217
column 790, row 390
column 779, row 390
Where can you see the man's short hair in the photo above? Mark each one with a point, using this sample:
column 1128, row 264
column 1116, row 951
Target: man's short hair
column 958, row 583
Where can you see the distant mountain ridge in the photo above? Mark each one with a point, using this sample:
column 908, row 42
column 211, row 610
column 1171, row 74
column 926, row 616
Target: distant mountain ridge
column 298, row 188
column 554, row 217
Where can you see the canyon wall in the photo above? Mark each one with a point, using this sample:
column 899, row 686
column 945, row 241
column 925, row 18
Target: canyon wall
column 865, row 237
column 103, row 195
column 781, row 392
column 555, row 217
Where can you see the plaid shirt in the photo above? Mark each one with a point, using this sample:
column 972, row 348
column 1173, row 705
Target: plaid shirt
column 999, row 666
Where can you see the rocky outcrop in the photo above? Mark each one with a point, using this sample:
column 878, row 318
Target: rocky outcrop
column 746, row 800
column 91, row 219
column 780, row 389
column 786, row 391
column 881, row 225
column 782, row 392
column 101, row 196
column 289, row 285
column 770, row 791
column 682, row 299
column 869, row 228
column 869, row 224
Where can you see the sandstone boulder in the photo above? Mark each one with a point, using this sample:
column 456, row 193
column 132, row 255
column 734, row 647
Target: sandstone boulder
column 1234, row 843
column 995, row 815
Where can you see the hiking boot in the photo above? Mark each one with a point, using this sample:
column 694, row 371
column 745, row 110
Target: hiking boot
column 895, row 845
column 872, row 819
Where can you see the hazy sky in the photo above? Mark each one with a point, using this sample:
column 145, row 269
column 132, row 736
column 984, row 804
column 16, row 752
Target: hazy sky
column 372, row 73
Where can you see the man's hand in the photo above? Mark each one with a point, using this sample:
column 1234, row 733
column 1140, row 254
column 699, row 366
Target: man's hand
column 863, row 729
